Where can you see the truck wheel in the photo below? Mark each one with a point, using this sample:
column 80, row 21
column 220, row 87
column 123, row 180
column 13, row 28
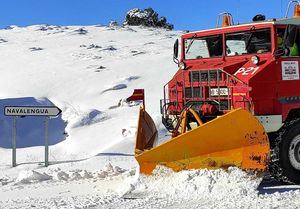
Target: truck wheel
column 289, row 153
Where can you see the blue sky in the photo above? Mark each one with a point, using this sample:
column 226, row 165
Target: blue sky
column 185, row 15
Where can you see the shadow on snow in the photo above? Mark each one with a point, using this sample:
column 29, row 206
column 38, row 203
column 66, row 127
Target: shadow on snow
column 269, row 186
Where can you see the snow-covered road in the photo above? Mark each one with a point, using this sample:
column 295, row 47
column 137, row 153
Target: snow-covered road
column 115, row 187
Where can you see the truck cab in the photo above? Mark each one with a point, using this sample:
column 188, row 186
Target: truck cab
column 253, row 66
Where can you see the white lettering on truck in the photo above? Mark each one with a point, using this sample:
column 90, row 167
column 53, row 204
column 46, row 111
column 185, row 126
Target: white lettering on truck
column 247, row 71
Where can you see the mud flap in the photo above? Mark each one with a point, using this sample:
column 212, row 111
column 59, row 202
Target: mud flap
column 235, row 139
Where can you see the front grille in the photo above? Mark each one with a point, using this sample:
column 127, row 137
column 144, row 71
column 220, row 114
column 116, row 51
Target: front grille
column 193, row 92
column 205, row 75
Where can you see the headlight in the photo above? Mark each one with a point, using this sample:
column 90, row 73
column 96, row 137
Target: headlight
column 182, row 65
column 255, row 60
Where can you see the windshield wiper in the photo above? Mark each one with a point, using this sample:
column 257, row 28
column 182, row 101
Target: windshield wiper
column 249, row 41
column 190, row 44
column 250, row 38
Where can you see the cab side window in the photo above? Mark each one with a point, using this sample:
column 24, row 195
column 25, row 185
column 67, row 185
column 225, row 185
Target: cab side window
column 249, row 42
column 288, row 41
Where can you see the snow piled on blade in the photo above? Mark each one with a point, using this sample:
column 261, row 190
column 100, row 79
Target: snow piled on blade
column 195, row 183
column 203, row 185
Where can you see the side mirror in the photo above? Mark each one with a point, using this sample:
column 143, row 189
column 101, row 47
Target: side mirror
column 176, row 46
column 290, row 35
column 175, row 52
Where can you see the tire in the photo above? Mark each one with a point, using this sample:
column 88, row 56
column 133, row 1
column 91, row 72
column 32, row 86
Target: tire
column 289, row 153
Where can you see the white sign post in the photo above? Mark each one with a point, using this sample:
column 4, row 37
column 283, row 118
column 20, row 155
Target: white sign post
column 23, row 111
column 14, row 142
column 46, row 142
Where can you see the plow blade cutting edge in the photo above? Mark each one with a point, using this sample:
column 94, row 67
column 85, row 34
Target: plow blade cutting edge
column 234, row 139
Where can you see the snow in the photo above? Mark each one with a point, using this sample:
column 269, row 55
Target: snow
column 114, row 187
column 136, row 12
column 88, row 72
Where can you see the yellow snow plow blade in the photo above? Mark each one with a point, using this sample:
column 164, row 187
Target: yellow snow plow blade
column 235, row 139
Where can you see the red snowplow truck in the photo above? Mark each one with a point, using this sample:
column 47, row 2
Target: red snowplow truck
column 235, row 101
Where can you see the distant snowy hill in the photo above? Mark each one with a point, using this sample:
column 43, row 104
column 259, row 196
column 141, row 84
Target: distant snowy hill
column 88, row 72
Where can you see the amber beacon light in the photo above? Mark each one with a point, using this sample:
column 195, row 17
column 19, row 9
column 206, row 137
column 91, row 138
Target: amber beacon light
column 297, row 11
column 227, row 20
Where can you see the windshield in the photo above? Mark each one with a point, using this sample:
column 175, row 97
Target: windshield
column 203, row 47
column 250, row 42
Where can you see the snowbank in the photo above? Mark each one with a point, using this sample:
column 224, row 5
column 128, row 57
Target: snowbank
column 116, row 187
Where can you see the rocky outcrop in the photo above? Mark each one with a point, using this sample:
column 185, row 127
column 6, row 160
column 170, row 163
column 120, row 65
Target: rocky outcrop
column 147, row 17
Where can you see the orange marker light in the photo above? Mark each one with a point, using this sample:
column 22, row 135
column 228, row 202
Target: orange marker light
column 297, row 11
column 227, row 20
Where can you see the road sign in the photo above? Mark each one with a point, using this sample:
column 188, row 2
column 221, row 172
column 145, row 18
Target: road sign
column 31, row 111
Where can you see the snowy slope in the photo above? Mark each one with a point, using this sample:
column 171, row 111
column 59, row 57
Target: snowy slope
column 86, row 71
